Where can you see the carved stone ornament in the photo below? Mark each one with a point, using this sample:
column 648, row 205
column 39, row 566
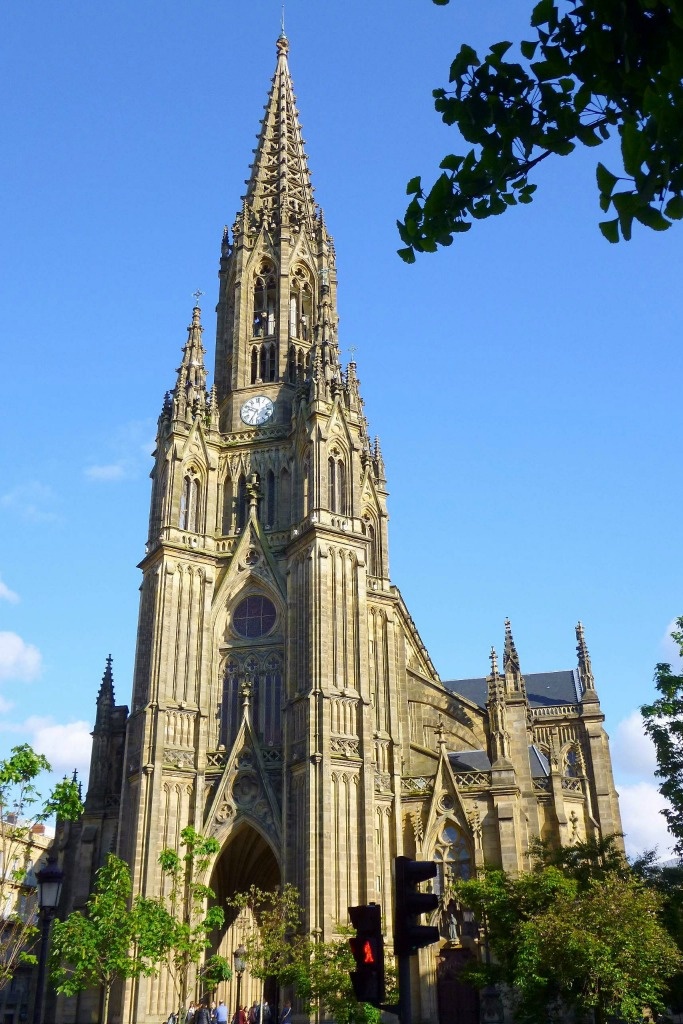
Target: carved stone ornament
column 178, row 758
column 343, row 747
column 245, row 789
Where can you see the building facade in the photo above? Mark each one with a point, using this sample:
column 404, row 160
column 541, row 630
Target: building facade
column 283, row 700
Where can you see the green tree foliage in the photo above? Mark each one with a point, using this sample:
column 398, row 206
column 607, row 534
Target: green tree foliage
column 589, row 69
column 318, row 972
column 667, row 880
column 664, row 723
column 188, row 923
column 21, row 808
column 582, row 936
column 112, row 939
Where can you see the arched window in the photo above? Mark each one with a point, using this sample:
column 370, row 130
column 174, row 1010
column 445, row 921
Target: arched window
column 262, row 363
column 332, row 484
column 341, row 488
column 373, row 561
column 254, row 365
column 241, row 503
column 452, row 857
column 306, row 486
column 292, row 365
column 227, row 505
column 264, row 302
column 271, row 363
column 300, row 365
column 272, row 702
column 189, row 504
column 294, row 313
column 572, row 763
column 230, row 705
column 270, row 499
column 285, row 503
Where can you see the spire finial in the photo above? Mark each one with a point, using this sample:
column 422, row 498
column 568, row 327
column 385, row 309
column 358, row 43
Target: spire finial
column 585, row 668
column 197, row 296
column 493, row 658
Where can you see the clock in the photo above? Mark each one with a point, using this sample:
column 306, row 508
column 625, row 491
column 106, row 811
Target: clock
column 256, row 411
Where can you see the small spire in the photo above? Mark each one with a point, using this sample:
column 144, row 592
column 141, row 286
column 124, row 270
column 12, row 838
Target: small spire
column 585, row 669
column 493, row 658
column 190, row 390
column 511, row 667
column 106, row 692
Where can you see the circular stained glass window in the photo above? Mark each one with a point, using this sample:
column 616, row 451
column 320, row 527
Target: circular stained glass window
column 254, row 616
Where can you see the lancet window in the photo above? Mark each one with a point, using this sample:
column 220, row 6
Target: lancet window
column 300, row 305
column 265, row 292
column 373, row 552
column 262, row 678
column 336, row 484
column 285, row 499
column 453, row 858
column 270, row 517
column 241, row 503
column 189, row 503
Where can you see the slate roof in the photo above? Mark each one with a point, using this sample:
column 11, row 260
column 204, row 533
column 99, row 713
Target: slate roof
column 543, row 688
column 469, row 761
column 478, row 761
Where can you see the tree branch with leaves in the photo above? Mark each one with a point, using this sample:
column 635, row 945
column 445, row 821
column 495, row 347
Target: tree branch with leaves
column 22, row 808
column 590, row 69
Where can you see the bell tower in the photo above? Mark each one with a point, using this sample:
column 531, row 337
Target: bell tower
column 264, row 707
column 283, row 701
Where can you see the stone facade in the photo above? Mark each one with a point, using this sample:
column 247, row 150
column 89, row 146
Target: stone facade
column 283, row 700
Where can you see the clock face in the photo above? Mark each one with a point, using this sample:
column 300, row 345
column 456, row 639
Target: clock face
column 256, row 410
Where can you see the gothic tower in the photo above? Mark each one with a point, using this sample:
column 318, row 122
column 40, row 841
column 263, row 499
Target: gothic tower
column 283, row 700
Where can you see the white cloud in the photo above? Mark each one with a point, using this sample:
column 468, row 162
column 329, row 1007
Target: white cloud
column 8, row 595
column 643, row 824
column 670, row 649
column 113, row 471
column 18, row 660
column 130, row 450
column 633, row 751
column 5, row 706
column 66, row 746
column 31, row 501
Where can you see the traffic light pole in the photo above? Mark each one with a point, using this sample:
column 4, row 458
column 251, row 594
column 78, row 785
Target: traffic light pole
column 404, row 1000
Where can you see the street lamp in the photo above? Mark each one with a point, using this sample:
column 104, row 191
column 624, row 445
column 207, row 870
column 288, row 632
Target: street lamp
column 239, row 957
column 49, row 880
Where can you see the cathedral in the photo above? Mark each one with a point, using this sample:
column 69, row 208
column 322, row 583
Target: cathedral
column 283, row 701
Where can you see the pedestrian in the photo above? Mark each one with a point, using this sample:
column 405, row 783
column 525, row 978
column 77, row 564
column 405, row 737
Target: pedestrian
column 202, row 1016
column 254, row 1013
column 286, row 1014
column 191, row 1010
column 221, row 1013
column 267, row 1015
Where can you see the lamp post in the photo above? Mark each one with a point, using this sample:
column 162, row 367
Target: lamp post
column 239, row 957
column 49, row 880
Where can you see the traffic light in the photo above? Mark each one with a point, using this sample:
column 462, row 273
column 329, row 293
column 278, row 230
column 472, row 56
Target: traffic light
column 367, row 947
column 410, row 904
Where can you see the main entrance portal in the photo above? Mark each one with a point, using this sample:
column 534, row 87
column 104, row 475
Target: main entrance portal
column 247, row 859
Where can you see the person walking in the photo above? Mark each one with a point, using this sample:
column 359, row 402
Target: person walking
column 202, row 1016
column 221, row 1013
column 286, row 1013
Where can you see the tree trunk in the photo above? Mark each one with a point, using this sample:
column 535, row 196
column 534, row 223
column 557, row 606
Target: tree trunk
column 106, row 992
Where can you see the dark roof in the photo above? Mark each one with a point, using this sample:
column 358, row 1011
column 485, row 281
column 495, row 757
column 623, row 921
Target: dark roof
column 543, row 688
column 538, row 762
column 469, row 761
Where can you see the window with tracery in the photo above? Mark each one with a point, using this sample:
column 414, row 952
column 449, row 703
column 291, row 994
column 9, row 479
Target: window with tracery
column 336, row 484
column 265, row 294
column 300, row 305
column 453, row 858
column 189, row 504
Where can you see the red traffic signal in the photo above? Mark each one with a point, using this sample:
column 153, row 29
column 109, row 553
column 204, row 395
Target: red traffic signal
column 410, row 904
column 367, row 947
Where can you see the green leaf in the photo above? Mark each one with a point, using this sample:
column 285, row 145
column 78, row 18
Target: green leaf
column 528, row 48
column 542, row 13
column 466, row 57
column 651, row 217
column 407, row 255
column 414, row 185
column 610, row 229
column 450, row 163
column 674, row 208
column 606, row 180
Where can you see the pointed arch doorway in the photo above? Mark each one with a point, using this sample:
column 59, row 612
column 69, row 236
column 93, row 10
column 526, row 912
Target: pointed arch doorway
column 246, row 859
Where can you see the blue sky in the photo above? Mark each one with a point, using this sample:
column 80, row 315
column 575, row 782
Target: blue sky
column 525, row 384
